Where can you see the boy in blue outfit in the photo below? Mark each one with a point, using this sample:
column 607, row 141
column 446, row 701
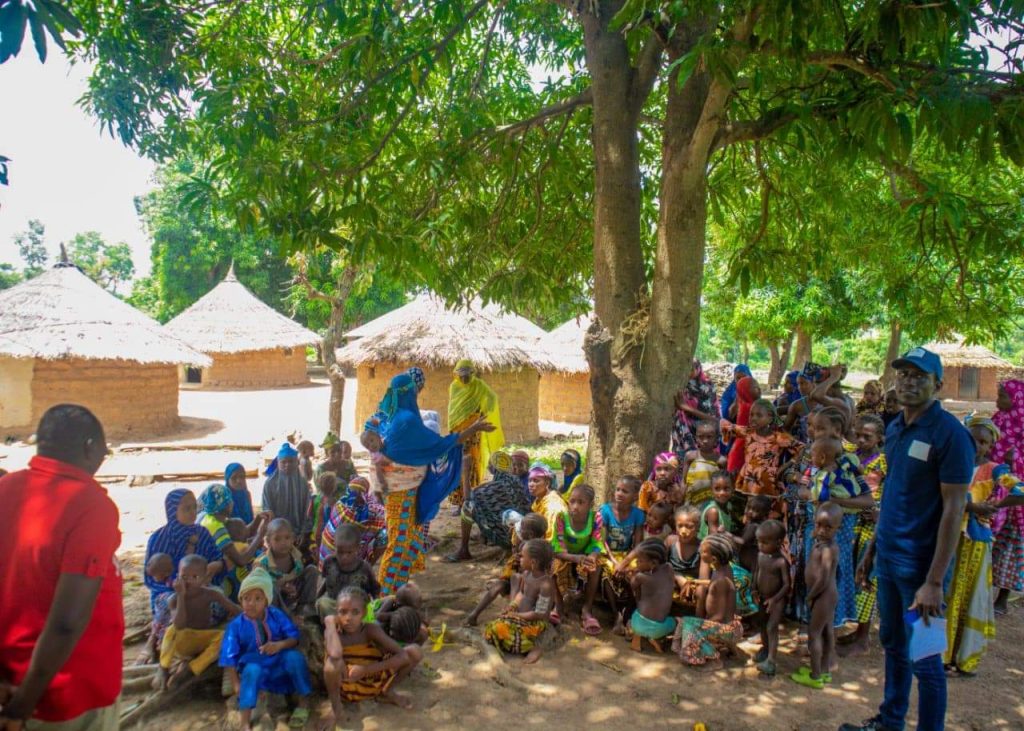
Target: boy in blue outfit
column 259, row 651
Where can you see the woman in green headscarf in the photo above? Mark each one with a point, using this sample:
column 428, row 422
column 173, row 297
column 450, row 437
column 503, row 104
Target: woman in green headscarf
column 469, row 399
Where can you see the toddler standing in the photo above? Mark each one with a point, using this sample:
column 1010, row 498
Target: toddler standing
column 822, row 596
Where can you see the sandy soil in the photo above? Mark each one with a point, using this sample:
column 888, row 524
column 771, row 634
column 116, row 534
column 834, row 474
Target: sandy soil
column 597, row 682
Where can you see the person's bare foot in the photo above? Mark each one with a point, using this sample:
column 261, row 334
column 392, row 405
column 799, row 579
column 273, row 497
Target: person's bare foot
column 532, row 657
column 160, row 679
column 833, row 664
column 395, row 699
column 331, row 720
column 620, row 627
column 853, row 649
column 181, row 675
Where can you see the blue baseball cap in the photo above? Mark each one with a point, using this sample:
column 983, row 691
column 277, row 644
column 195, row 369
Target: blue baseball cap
column 923, row 359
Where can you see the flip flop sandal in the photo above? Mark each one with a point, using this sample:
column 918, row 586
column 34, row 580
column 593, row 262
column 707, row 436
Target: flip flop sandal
column 454, row 558
column 299, row 718
column 803, row 677
column 591, row 627
column 767, row 668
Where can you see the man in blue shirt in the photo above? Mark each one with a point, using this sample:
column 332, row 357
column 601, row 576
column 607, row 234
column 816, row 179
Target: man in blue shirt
column 931, row 461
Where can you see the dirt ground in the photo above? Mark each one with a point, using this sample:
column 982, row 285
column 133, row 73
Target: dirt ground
column 586, row 683
column 597, row 682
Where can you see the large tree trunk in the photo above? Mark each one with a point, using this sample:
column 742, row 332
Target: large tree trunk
column 620, row 428
column 641, row 347
column 803, row 347
column 892, row 352
column 787, row 348
column 775, row 370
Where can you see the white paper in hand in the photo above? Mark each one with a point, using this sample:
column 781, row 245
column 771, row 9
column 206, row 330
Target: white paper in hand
column 926, row 640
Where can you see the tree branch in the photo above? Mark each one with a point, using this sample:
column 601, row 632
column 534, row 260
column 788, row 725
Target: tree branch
column 755, row 129
column 848, row 60
column 582, row 99
column 646, row 72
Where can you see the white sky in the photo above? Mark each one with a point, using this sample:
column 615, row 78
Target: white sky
column 63, row 171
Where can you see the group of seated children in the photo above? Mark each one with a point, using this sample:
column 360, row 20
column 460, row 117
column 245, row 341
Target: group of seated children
column 369, row 642
column 696, row 557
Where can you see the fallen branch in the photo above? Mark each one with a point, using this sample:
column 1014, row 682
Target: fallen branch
column 133, row 636
column 157, row 700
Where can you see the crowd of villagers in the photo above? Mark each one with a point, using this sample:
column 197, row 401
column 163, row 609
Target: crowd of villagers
column 758, row 512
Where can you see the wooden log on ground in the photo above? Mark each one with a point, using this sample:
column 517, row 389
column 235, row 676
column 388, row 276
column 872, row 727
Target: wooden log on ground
column 134, row 671
column 158, row 700
column 134, row 635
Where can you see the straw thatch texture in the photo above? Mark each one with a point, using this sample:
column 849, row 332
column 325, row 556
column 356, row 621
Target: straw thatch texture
column 64, row 314
column 231, row 319
column 566, row 345
column 427, row 333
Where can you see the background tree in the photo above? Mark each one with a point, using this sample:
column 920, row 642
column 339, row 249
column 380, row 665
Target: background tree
column 8, row 276
column 31, row 245
column 109, row 265
column 421, row 130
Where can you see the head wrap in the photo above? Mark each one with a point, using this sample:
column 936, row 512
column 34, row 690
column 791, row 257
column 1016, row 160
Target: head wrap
column 216, row 499
column 985, row 423
column 418, row 379
column 729, row 395
column 668, row 458
column 259, row 579
column 359, row 482
column 286, row 451
column 539, row 469
column 330, row 440
column 464, row 364
column 401, row 394
column 177, row 540
column 230, row 470
column 500, row 462
column 1011, row 424
column 521, row 454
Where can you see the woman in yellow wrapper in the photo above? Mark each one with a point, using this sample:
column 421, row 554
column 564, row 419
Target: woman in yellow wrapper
column 469, row 399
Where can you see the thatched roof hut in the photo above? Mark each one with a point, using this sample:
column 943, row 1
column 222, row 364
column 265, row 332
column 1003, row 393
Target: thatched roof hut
column 63, row 338
column 506, row 349
column 251, row 344
column 564, row 394
column 970, row 372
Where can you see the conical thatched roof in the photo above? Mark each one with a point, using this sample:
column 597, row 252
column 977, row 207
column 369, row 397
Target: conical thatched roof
column 231, row 319
column 566, row 344
column 429, row 334
column 64, row 314
column 958, row 355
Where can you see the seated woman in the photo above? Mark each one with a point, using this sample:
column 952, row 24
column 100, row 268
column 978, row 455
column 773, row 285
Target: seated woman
column 486, row 505
column 180, row 537
column 216, row 504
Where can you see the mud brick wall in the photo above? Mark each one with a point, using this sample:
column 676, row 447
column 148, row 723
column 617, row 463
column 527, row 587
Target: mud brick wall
column 256, row 369
column 516, row 389
column 128, row 398
column 988, row 385
column 565, row 397
column 15, row 391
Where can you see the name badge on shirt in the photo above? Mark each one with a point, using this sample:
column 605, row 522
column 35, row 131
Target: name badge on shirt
column 919, row 450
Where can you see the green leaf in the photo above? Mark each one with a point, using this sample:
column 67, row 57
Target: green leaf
column 12, row 29
column 38, row 36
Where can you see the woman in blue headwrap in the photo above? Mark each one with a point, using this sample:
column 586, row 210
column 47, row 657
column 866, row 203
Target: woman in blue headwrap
column 729, row 395
column 177, row 539
column 216, row 505
column 416, row 470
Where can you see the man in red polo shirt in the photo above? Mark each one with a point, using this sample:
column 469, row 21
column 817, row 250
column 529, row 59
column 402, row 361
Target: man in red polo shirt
column 61, row 616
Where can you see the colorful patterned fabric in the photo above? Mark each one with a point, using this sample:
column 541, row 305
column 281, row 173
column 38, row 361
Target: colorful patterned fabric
column 177, row 540
column 550, row 506
column 369, row 518
column 864, row 531
column 216, row 499
column 699, row 394
column 514, row 635
column 970, row 615
column 846, row 607
column 488, row 501
column 699, row 640
column 698, row 480
column 1011, row 424
column 231, row 580
column 650, row 629
column 746, row 605
column 763, row 459
column 405, row 542
column 1008, row 559
column 370, row 686
column 745, row 397
column 729, row 394
column 466, row 402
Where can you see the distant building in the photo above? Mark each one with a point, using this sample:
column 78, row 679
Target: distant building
column 507, row 350
column 970, row 372
column 250, row 344
column 65, row 339
column 565, row 391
